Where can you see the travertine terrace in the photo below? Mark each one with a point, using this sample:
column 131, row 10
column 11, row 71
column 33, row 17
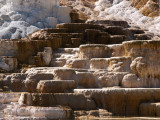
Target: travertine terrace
column 86, row 69
column 19, row 18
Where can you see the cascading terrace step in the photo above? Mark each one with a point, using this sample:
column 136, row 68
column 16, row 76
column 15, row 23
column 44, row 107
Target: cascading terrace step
column 58, row 62
column 67, row 50
column 136, row 30
column 16, row 111
column 78, row 63
column 59, row 55
column 9, row 97
column 142, row 37
column 55, row 86
column 125, row 101
column 74, row 101
column 117, row 39
column 115, row 64
column 5, row 100
column 62, row 55
column 151, row 109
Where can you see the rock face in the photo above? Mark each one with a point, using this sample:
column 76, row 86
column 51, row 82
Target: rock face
column 116, row 77
column 81, row 70
column 21, row 18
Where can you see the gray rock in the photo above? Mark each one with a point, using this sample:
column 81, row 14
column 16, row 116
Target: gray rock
column 5, row 35
column 39, row 25
column 17, row 35
column 31, row 29
column 38, row 14
column 12, row 29
column 16, row 17
column 34, row 13
column 27, row 16
column 5, row 24
column 24, row 16
column 2, row 2
column 5, row 18
column 1, row 22
column 51, row 21
column 12, row 13
column 9, row 30
column 46, row 25
column 31, row 20
column 20, row 24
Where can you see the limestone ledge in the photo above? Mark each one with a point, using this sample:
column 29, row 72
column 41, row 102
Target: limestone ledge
column 121, row 101
column 74, row 101
column 9, row 97
column 116, row 101
column 17, row 111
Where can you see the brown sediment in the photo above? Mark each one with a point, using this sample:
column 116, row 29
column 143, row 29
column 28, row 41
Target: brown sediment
column 149, row 8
